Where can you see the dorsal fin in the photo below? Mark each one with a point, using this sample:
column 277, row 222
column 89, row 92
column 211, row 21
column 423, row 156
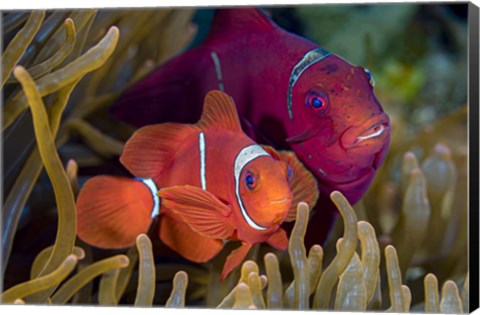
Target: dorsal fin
column 219, row 112
column 239, row 20
column 152, row 148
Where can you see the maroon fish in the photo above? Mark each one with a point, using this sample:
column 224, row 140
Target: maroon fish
column 290, row 94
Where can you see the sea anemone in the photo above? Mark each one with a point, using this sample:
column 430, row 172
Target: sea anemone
column 401, row 248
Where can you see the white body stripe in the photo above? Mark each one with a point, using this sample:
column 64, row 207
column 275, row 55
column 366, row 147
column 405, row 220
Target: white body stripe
column 154, row 191
column 245, row 156
column 218, row 70
column 201, row 148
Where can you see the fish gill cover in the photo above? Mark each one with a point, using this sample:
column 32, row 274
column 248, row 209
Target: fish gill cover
column 402, row 247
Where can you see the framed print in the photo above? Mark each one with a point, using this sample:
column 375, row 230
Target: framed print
column 303, row 157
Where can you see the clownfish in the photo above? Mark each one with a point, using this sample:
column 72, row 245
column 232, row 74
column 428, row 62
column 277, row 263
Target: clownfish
column 208, row 182
column 290, row 94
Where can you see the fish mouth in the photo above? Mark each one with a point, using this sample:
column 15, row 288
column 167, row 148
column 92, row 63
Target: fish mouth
column 373, row 133
column 283, row 200
column 280, row 204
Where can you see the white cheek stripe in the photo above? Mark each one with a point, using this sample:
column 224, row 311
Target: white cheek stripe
column 201, row 147
column 154, row 191
column 218, row 70
column 245, row 156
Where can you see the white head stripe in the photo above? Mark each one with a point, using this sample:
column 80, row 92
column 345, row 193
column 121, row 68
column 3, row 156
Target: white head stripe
column 201, row 147
column 245, row 156
column 154, row 191
column 308, row 59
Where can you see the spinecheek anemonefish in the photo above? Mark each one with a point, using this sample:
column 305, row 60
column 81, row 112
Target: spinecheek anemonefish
column 208, row 182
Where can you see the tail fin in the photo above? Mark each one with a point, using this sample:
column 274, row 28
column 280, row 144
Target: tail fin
column 112, row 211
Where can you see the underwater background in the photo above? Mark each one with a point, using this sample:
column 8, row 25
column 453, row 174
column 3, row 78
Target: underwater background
column 418, row 201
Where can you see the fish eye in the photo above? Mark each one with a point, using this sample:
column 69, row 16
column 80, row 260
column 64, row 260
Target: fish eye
column 318, row 101
column 250, row 180
column 369, row 77
column 289, row 173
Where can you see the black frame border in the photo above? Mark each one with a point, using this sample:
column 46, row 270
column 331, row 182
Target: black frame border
column 474, row 223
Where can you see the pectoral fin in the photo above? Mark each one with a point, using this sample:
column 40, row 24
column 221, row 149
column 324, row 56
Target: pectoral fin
column 201, row 210
column 279, row 239
column 182, row 239
column 307, row 134
column 234, row 259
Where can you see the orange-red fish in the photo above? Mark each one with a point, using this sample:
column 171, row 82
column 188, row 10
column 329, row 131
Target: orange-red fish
column 207, row 181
